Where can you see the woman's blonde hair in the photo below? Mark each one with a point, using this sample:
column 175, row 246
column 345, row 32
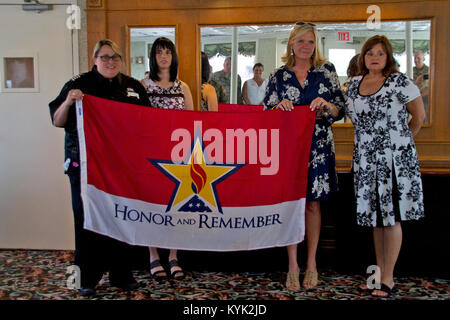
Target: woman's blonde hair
column 107, row 42
column 300, row 28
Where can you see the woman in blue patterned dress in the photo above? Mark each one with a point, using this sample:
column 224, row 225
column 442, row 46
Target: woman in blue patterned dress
column 166, row 91
column 308, row 79
column 388, row 187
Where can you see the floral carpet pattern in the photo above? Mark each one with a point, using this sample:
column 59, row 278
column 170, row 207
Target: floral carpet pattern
column 42, row 275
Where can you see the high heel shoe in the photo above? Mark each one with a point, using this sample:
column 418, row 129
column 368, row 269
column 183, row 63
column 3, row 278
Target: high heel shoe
column 311, row 279
column 292, row 282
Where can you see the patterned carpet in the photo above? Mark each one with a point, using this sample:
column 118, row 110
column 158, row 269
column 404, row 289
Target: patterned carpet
column 41, row 275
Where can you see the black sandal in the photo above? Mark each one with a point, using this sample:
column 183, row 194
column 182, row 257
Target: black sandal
column 385, row 289
column 174, row 263
column 364, row 289
column 154, row 264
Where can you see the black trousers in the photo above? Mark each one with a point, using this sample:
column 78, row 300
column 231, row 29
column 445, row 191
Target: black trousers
column 96, row 253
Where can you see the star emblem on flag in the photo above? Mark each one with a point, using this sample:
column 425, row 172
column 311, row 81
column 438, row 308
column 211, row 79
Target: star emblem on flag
column 195, row 180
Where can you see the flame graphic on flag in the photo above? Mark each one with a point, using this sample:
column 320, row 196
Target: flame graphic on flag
column 198, row 176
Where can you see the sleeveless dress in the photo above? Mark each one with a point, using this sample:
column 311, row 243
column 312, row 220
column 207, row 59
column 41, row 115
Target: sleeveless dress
column 204, row 103
column 166, row 98
column 256, row 93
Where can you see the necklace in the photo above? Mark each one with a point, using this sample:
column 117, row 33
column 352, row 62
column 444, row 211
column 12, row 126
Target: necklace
column 301, row 75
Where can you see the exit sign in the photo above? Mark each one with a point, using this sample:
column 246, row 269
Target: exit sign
column 344, row 36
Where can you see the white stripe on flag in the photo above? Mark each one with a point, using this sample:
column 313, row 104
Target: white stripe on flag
column 238, row 228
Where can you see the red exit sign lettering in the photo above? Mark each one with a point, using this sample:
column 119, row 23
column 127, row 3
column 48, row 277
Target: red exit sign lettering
column 344, row 36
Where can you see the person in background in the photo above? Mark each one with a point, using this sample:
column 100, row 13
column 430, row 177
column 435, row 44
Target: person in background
column 220, row 91
column 223, row 77
column 421, row 76
column 144, row 81
column 166, row 91
column 254, row 89
column 352, row 70
column 209, row 97
column 387, row 181
column 308, row 79
column 95, row 253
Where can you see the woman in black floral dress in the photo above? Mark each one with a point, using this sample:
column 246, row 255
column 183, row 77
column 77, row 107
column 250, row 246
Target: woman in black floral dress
column 387, row 181
column 308, row 79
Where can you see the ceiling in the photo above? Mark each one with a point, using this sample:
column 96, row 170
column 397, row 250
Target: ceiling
column 279, row 30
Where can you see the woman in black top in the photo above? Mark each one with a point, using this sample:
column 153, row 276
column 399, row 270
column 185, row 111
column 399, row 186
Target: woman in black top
column 95, row 253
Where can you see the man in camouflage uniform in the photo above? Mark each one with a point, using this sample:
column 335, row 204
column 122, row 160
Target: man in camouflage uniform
column 220, row 92
column 223, row 77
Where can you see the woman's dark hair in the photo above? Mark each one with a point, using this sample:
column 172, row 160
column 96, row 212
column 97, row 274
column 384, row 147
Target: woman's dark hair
column 206, row 68
column 352, row 69
column 391, row 64
column 259, row 64
column 163, row 43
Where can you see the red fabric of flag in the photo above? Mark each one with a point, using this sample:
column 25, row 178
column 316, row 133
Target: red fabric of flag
column 121, row 138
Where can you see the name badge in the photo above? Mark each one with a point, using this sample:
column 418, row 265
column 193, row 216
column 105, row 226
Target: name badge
column 132, row 93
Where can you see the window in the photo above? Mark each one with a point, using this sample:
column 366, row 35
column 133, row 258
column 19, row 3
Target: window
column 341, row 58
column 141, row 44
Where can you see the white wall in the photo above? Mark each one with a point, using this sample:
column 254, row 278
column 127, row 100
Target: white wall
column 35, row 204
column 137, row 49
column 281, row 50
column 266, row 54
column 269, row 52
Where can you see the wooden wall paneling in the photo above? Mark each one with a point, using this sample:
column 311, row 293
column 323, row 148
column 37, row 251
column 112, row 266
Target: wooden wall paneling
column 189, row 55
column 217, row 4
column 94, row 3
column 96, row 30
column 186, row 39
column 433, row 41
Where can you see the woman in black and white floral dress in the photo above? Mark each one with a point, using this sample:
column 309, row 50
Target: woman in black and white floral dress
column 387, row 180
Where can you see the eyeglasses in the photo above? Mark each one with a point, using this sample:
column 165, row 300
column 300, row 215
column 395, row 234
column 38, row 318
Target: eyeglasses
column 106, row 58
column 301, row 23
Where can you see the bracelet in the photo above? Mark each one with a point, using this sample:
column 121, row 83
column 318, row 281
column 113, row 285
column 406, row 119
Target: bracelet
column 327, row 112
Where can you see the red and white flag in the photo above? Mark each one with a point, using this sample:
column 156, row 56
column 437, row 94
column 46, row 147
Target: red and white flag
column 225, row 107
column 192, row 180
